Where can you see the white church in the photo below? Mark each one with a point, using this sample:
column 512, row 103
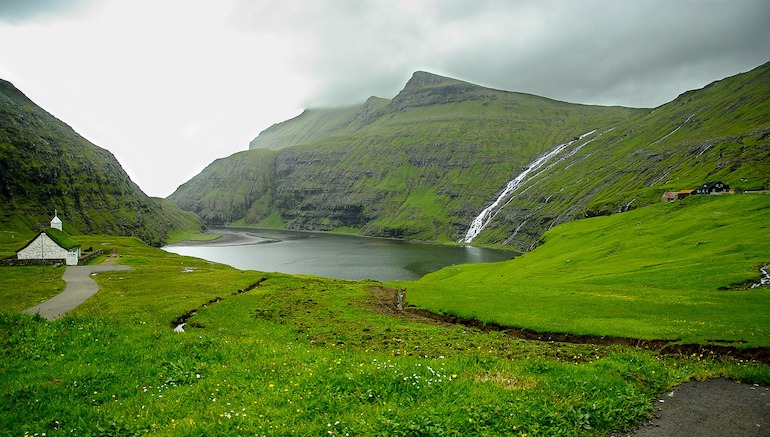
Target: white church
column 52, row 244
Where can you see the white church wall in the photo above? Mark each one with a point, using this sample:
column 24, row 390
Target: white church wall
column 49, row 249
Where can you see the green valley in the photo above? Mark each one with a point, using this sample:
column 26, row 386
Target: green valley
column 616, row 298
column 274, row 354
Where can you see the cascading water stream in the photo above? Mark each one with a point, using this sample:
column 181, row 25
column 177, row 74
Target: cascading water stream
column 764, row 278
column 482, row 220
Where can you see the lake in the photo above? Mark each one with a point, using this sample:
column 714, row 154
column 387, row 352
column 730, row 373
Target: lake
column 332, row 255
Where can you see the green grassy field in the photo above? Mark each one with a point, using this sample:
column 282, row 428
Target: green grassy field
column 656, row 273
column 301, row 355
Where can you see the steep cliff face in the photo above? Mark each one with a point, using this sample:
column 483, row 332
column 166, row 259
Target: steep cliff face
column 45, row 165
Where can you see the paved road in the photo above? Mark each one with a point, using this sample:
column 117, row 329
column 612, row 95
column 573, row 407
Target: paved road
column 714, row 408
column 79, row 287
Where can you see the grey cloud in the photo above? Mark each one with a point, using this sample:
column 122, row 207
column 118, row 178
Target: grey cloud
column 219, row 71
column 631, row 53
column 627, row 55
column 17, row 11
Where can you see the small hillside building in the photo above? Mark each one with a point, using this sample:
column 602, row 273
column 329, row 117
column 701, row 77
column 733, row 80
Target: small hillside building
column 52, row 244
column 681, row 194
column 712, row 188
column 669, row 196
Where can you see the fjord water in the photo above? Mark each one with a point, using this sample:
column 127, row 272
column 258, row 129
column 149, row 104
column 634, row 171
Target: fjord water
column 332, row 255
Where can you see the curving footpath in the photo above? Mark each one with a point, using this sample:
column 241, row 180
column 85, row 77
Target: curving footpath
column 80, row 286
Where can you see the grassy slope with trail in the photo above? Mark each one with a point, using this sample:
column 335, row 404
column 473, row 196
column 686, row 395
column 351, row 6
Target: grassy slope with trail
column 302, row 355
column 652, row 273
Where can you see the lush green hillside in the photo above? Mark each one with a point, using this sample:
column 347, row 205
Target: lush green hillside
column 239, row 187
column 418, row 166
column 424, row 164
column 45, row 165
column 676, row 271
column 721, row 132
column 272, row 354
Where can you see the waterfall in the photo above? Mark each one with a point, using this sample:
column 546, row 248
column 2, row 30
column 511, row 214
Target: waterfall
column 677, row 128
column 482, row 220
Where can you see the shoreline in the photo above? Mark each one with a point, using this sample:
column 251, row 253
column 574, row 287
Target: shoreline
column 225, row 238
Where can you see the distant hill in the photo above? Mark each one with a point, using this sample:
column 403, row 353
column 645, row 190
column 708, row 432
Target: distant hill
column 426, row 163
column 313, row 124
column 47, row 166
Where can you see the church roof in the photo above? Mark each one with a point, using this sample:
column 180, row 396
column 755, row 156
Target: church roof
column 61, row 238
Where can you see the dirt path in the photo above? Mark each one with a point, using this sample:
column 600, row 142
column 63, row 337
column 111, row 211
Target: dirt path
column 718, row 407
column 80, row 286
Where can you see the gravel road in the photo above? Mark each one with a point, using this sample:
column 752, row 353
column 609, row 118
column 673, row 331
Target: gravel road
column 80, row 286
column 718, row 407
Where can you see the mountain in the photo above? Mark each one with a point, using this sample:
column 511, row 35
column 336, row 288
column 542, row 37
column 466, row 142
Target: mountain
column 47, row 166
column 718, row 133
column 240, row 187
column 426, row 163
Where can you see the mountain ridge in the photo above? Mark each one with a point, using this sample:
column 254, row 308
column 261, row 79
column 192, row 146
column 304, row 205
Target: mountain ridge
column 426, row 162
column 385, row 166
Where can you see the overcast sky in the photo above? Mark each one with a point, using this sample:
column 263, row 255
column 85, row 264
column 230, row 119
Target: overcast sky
column 170, row 85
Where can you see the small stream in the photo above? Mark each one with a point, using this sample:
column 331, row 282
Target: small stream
column 764, row 276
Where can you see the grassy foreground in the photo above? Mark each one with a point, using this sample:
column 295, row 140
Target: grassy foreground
column 299, row 355
column 670, row 271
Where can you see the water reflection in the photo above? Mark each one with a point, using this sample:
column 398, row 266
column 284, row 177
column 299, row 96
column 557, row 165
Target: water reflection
column 474, row 255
